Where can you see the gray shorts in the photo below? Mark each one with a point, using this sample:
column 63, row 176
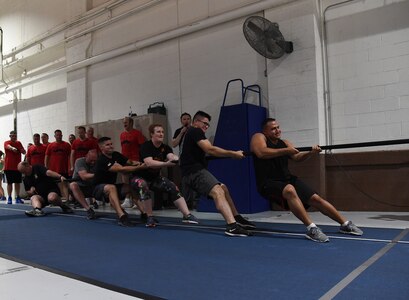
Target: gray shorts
column 200, row 182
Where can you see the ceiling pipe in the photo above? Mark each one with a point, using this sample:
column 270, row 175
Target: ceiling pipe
column 175, row 33
column 82, row 19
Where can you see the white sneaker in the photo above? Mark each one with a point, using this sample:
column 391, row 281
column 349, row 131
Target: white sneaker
column 127, row 203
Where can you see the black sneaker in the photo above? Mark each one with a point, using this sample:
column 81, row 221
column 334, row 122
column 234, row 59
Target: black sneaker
column 66, row 209
column 124, row 221
column 95, row 205
column 236, row 230
column 244, row 223
column 91, row 214
column 36, row 212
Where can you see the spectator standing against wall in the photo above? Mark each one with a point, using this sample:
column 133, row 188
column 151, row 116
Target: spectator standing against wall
column 36, row 152
column 13, row 149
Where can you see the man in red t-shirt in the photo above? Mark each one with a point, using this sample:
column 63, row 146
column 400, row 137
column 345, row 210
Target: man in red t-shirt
column 57, row 158
column 36, row 152
column 93, row 139
column 13, row 149
column 44, row 139
column 131, row 140
column 81, row 146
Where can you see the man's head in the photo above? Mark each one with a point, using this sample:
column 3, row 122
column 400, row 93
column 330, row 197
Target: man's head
column 13, row 136
column 71, row 138
column 91, row 157
column 58, row 135
column 201, row 120
column 106, row 146
column 24, row 168
column 90, row 132
column 157, row 133
column 128, row 123
column 36, row 139
column 271, row 128
column 44, row 138
column 185, row 119
column 81, row 132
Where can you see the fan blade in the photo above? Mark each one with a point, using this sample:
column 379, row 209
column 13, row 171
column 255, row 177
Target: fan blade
column 257, row 30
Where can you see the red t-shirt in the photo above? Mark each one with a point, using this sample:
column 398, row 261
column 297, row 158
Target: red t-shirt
column 130, row 142
column 58, row 157
column 12, row 158
column 36, row 154
column 81, row 148
column 94, row 142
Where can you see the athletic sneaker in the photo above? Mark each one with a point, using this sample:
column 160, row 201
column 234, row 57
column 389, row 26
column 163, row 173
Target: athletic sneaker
column 244, row 223
column 36, row 212
column 95, row 204
column 236, row 230
column 150, row 222
column 191, row 219
column 144, row 217
column 19, row 200
column 91, row 214
column 128, row 203
column 3, row 198
column 9, row 200
column 66, row 209
column 315, row 234
column 124, row 221
column 350, row 228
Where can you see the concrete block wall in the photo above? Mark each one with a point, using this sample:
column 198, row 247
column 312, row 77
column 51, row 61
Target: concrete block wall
column 368, row 65
column 368, row 56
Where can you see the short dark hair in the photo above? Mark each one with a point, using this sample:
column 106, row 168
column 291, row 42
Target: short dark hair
column 201, row 114
column 103, row 140
column 81, row 127
column 36, row 135
column 57, row 130
column 45, row 134
column 185, row 114
column 267, row 120
column 13, row 132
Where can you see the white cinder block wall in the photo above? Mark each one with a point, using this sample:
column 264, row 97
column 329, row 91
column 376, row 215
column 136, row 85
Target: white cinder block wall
column 368, row 55
column 368, row 60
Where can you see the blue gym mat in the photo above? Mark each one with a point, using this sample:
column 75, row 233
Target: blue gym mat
column 178, row 261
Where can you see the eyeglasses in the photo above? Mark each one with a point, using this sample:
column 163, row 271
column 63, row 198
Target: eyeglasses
column 204, row 123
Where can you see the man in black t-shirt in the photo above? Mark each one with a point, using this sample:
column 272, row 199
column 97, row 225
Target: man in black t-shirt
column 41, row 184
column 110, row 163
column 186, row 121
column 156, row 155
column 197, row 178
column 276, row 183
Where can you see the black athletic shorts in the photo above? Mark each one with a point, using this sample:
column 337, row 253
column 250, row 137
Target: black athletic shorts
column 13, row 176
column 273, row 191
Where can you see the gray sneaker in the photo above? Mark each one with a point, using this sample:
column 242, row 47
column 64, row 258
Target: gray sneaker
column 34, row 213
column 191, row 219
column 315, row 234
column 350, row 228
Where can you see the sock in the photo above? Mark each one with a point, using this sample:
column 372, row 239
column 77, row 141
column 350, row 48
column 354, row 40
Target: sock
column 311, row 226
column 345, row 224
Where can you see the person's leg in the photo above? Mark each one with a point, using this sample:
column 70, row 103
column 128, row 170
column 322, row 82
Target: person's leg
column 295, row 205
column 326, row 208
column 222, row 205
column 112, row 193
column 79, row 195
column 17, row 189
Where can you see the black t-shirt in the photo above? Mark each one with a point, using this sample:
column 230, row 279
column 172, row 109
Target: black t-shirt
column 148, row 149
column 192, row 157
column 273, row 168
column 102, row 166
column 40, row 181
column 177, row 132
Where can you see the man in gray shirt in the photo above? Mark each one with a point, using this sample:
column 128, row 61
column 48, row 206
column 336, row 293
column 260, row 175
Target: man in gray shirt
column 82, row 187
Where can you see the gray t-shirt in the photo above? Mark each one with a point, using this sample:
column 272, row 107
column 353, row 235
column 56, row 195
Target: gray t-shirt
column 81, row 165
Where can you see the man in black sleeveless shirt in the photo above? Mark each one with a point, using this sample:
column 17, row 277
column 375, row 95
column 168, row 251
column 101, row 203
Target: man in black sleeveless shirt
column 276, row 183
